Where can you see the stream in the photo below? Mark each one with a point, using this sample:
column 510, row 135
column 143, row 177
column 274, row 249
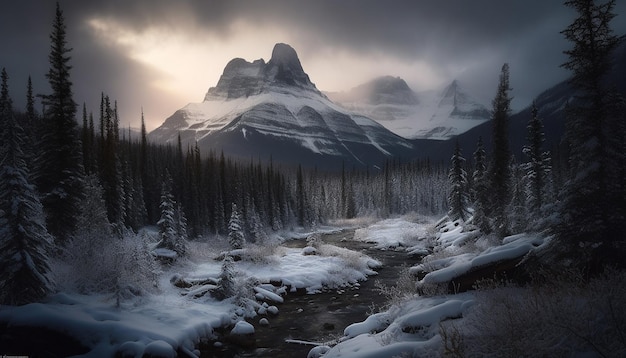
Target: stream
column 321, row 317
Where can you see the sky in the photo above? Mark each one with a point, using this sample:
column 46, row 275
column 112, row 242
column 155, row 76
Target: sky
column 159, row 55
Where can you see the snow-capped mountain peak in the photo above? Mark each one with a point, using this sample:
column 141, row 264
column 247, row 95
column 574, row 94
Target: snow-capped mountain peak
column 273, row 109
column 437, row 115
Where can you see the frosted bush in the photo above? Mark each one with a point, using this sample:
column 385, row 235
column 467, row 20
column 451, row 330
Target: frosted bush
column 564, row 317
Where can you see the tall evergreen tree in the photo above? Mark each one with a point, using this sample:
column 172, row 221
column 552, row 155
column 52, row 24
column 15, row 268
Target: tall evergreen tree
column 60, row 163
column 499, row 170
column 169, row 224
column 235, row 229
column 538, row 166
column 25, row 243
column 458, row 197
column 594, row 199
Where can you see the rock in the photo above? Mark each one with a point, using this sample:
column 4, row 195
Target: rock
column 318, row 352
column 179, row 281
column 309, row 250
column 264, row 322
column 273, row 310
column 242, row 335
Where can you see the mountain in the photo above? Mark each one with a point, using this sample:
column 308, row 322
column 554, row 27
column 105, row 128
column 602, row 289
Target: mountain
column 273, row 110
column 428, row 115
column 551, row 105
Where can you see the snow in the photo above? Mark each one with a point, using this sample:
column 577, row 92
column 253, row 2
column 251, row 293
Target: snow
column 438, row 115
column 173, row 320
column 167, row 253
column 408, row 329
column 268, row 295
column 445, row 269
column 394, row 233
column 242, row 328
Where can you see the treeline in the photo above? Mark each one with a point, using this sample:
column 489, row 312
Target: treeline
column 578, row 196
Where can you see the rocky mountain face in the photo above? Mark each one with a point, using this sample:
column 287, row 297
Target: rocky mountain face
column 429, row 115
column 262, row 110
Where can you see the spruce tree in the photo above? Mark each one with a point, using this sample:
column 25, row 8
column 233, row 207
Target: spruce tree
column 480, row 192
column 538, row 166
column 171, row 221
column 594, row 199
column 499, row 170
column 458, row 198
column 60, row 163
column 25, row 243
column 235, row 229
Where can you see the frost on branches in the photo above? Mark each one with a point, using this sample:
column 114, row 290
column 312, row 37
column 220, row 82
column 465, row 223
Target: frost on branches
column 24, row 241
column 172, row 225
column 235, row 230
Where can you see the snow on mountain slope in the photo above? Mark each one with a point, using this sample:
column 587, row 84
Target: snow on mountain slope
column 276, row 106
column 427, row 115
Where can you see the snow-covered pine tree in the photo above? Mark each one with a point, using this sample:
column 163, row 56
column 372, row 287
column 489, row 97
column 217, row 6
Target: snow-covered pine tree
column 59, row 166
column 168, row 222
column 226, row 286
column 458, row 199
column 537, row 168
column 480, row 191
column 499, row 170
column 25, row 244
column 594, row 198
column 235, row 229
column 91, row 251
column 180, row 245
column 517, row 210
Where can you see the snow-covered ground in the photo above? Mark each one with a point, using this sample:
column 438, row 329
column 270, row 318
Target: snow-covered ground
column 175, row 319
column 412, row 326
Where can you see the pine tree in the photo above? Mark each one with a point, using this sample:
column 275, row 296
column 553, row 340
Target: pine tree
column 180, row 246
column 499, row 170
column 458, row 197
column 538, row 166
column 480, row 192
column 594, row 199
column 517, row 210
column 235, row 229
column 168, row 222
column 226, row 286
column 59, row 166
column 24, row 241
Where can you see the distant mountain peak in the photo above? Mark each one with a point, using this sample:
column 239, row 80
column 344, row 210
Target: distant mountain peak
column 462, row 104
column 244, row 79
column 384, row 90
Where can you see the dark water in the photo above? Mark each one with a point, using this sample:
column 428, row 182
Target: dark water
column 321, row 317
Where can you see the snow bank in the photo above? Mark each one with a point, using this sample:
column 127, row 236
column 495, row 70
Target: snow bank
column 159, row 325
column 410, row 329
column 393, row 233
column 312, row 272
column 446, row 269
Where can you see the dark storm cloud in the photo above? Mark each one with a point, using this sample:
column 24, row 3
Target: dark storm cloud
column 459, row 38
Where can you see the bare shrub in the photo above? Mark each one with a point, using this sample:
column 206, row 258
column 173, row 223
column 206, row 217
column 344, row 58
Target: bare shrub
column 563, row 317
column 403, row 290
column 452, row 340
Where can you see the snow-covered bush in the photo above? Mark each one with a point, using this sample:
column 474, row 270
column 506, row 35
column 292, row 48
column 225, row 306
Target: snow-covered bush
column 564, row 317
column 99, row 261
column 403, row 290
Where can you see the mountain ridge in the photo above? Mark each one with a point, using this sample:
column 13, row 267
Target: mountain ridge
column 274, row 110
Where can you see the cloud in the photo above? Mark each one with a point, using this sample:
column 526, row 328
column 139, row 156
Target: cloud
column 161, row 54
